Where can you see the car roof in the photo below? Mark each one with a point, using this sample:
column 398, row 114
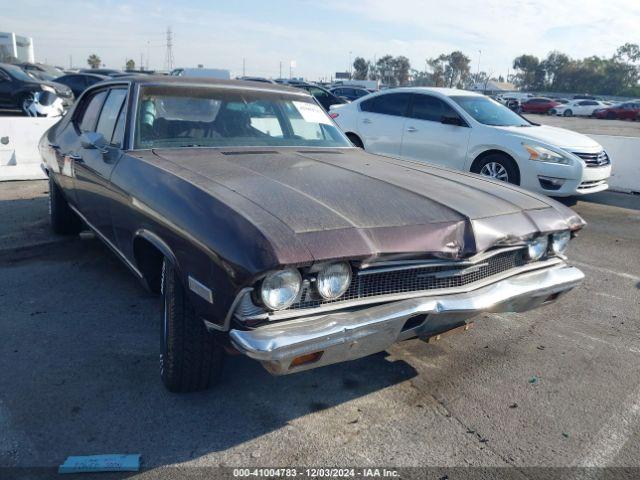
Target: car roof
column 204, row 81
column 445, row 92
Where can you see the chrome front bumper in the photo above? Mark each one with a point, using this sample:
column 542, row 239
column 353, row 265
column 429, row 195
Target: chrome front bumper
column 354, row 334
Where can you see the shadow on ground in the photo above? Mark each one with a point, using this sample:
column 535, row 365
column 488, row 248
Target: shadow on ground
column 76, row 363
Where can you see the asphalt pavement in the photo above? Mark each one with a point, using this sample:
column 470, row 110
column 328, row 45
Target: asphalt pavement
column 558, row 386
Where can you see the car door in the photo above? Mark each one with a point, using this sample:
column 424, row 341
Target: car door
column 6, row 90
column 99, row 152
column 427, row 139
column 381, row 122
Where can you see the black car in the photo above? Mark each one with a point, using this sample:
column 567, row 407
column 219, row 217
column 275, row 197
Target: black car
column 78, row 82
column 350, row 93
column 110, row 72
column 17, row 89
column 322, row 95
column 41, row 71
column 269, row 234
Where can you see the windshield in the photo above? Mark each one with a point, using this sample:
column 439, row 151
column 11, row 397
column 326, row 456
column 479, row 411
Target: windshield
column 171, row 116
column 490, row 112
column 17, row 73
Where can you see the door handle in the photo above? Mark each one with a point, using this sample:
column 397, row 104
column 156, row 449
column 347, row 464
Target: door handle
column 54, row 146
column 412, row 129
column 75, row 157
column 366, row 120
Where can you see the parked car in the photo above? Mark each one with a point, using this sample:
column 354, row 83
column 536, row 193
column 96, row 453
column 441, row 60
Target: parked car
column 267, row 233
column 619, row 111
column 109, row 72
column 577, row 107
column 257, row 79
column 350, row 93
column 41, row 71
column 322, row 95
column 201, row 73
column 468, row 131
column 79, row 82
column 538, row 105
column 33, row 97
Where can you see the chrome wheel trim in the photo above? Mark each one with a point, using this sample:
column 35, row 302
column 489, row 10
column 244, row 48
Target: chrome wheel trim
column 495, row 170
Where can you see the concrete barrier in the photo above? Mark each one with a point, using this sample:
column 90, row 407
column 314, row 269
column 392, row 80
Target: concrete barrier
column 625, row 158
column 19, row 156
column 20, row 159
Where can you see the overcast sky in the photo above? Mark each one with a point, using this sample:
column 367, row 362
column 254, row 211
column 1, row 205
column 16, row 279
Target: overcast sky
column 318, row 34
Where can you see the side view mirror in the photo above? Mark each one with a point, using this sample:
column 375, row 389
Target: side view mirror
column 93, row 140
column 457, row 121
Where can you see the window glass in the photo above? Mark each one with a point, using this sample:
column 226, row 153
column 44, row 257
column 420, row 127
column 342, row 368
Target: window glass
column 318, row 92
column 426, row 107
column 74, row 82
column 490, row 112
column 91, row 111
column 118, row 131
column 110, row 112
column 387, row 104
column 174, row 116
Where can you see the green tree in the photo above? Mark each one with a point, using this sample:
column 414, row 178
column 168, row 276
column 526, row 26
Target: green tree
column 94, row 61
column 401, row 67
column 360, row 69
column 530, row 75
column 437, row 70
column 384, row 67
column 130, row 65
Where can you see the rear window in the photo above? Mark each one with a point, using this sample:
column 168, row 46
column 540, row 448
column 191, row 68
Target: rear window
column 170, row 116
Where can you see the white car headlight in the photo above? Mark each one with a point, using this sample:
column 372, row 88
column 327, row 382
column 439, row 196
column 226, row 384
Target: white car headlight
column 47, row 88
column 280, row 289
column 333, row 280
column 560, row 241
column 537, row 247
column 542, row 154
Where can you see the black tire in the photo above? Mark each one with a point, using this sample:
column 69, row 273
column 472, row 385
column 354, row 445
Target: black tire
column 611, row 116
column 511, row 168
column 190, row 359
column 568, row 113
column 355, row 140
column 63, row 220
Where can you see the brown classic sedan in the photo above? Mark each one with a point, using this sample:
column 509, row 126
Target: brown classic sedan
column 267, row 233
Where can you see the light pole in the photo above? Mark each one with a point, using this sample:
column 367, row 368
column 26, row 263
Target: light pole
column 478, row 74
column 350, row 65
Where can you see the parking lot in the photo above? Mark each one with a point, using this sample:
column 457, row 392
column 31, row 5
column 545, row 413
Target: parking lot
column 587, row 125
column 558, row 386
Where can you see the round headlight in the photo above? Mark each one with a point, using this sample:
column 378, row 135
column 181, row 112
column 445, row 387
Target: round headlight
column 333, row 280
column 537, row 247
column 560, row 241
column 280, row 289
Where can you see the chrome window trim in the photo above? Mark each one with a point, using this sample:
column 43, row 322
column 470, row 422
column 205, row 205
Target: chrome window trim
column 302, row 312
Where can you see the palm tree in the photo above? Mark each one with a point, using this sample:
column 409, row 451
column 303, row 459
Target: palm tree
column 94, row 61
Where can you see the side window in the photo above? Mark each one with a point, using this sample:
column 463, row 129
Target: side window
column 118, row 131
column 388, row 104
column 316, row 92
column 89, row 114
column 110, row 112
column 426, row 107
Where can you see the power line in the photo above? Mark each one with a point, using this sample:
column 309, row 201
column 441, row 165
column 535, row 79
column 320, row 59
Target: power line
column 169, row 57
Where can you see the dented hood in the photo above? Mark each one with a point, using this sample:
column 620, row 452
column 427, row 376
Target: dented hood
column 346, row 203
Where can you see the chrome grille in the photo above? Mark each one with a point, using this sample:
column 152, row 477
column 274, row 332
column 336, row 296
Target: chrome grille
column 599, row 159
column 369, row 283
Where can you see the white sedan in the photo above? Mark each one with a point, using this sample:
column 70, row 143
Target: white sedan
column 578, row 108
column 468, row 131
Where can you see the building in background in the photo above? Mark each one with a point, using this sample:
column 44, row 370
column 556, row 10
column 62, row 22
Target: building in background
column 16, row 46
